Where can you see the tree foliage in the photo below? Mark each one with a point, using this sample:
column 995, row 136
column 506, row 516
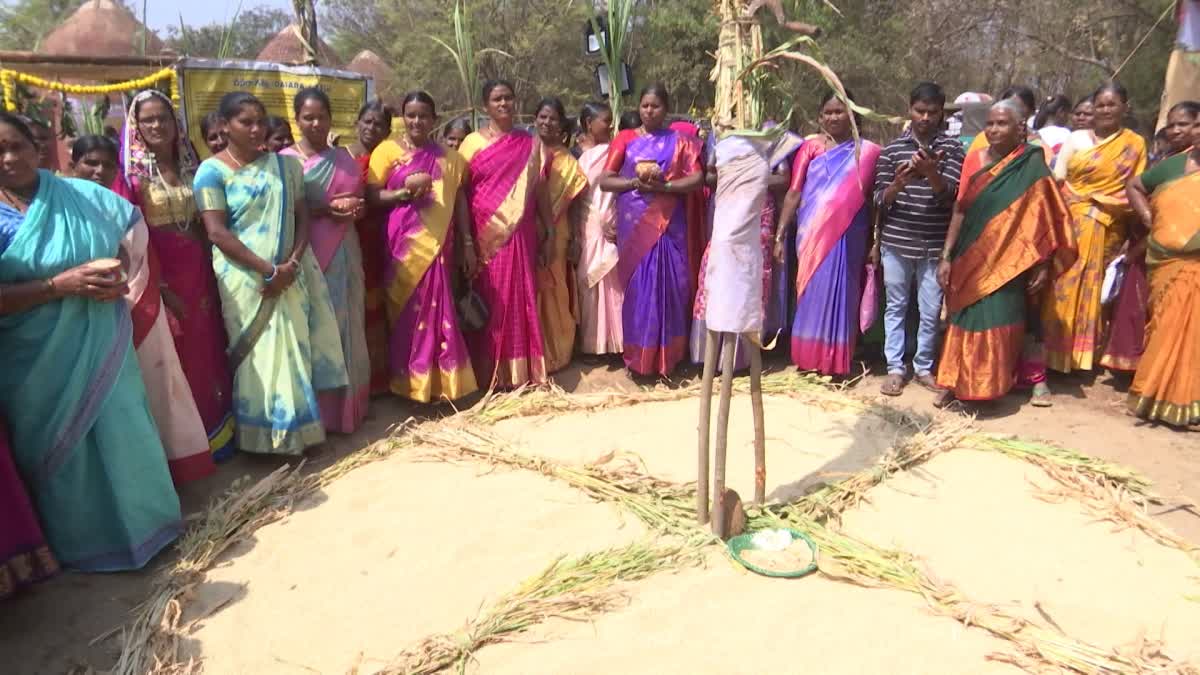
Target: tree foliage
column 248, row 34
column 23, row 23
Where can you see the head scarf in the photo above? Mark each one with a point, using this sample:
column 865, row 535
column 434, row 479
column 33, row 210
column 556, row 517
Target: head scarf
column 136, row 158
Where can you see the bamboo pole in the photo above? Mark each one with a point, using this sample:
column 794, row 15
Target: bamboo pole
column 719, row 520
column 760, row 441
column 706, row 389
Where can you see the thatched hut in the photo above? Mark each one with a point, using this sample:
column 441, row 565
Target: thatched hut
column 100, row 28
column 287, row 47
column 373, row 66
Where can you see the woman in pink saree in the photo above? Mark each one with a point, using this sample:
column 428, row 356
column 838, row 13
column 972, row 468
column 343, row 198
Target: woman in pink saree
column 420, row 182
column 24, row 556
column 334, row 190
column 507, row 197
column 600, row 293
column 652, row 169
column 827, row 201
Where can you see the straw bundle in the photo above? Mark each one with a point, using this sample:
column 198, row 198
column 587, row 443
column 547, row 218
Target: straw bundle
column 573, row 589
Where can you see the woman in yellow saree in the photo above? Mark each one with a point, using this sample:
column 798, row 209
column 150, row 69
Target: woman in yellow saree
column 1093, row 167
column 420, row 184
column 1007, row 237
column 1166, row 387
column 565, row 181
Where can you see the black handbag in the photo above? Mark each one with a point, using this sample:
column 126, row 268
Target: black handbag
column 472, row 311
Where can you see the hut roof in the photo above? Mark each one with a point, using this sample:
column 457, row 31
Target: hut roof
column 288, row 47
column 99, row 28
column 373, row 66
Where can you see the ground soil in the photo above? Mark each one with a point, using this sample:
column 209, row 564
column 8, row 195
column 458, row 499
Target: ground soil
column 49, row 629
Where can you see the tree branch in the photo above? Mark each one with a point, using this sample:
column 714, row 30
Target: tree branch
column 1102, row 64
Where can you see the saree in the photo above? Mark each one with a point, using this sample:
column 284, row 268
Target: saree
column 72, row 392
column 504, row 173
column 1014, row 218
column 556, row 290
column 178, row 242
column 832, row 228
column 283, row 349
column 335, row 244
column 429, row 359
column 599, row 292
column 1095, row 195
column 372, row 239
column 658, row 250
column 171, row 404
column 1166, row 386
column 24, row 556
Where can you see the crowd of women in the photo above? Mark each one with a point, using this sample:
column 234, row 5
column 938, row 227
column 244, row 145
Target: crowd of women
column 157, row 312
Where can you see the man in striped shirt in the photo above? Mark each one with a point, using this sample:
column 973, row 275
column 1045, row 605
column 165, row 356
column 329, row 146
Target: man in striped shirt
column 916, row 182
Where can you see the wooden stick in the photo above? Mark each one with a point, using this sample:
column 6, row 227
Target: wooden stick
column 728, row 347
column 760, row 440
column 711, row 340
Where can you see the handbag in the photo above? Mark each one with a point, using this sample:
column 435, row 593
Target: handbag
column 868, row 309
column 1114, row 275
column 472, row 311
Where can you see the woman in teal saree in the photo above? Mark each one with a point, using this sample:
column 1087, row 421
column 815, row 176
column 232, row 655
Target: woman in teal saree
column 283, row 335
column 70, row 387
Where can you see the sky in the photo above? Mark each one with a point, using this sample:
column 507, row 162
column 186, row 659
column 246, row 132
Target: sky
column 163, row 13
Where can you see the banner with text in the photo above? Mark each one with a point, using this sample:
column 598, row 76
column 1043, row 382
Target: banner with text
column 204, row 81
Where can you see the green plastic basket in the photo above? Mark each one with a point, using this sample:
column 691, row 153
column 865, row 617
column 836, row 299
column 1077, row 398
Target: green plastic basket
column 743, row 542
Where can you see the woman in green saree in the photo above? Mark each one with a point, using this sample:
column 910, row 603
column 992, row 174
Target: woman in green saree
column 283, row 335
column 70, row 386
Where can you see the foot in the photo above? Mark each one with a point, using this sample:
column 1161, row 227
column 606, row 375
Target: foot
column 945, row 398
column 929, row 382
column 1041, row 396
column 892, row 385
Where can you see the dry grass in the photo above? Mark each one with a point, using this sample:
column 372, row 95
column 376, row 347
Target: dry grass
column 570, row 588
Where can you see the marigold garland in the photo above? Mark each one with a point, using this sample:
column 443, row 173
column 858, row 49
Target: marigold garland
column 10, row 78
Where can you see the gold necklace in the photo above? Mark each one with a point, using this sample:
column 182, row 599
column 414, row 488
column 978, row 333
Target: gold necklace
column 229, row 151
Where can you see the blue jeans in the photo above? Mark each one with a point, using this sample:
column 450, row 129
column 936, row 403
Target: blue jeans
column 899, row 276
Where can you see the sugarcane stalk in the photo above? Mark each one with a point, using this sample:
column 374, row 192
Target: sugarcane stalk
column 711, row 340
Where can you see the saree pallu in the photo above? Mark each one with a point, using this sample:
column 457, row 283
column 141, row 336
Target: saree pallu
column 24, row 556
column 504, row 174
column 1100, row 212
column 658, row 250
column 600, row 295
column 1127, row 330
column 72, row 393
column 372, row 239
column 335, row 244
column 429, row 359
column 556, row 290
column 1166, row 387
column 171, row 403
column 283, row 350
column 1014, row 219
column 832, row 228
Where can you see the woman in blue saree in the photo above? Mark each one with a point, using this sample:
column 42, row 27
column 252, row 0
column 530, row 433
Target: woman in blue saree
column 283, row 334
column 70, row 387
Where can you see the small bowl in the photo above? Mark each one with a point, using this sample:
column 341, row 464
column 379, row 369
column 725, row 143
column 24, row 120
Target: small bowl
column 109, row 267
column 647, row 169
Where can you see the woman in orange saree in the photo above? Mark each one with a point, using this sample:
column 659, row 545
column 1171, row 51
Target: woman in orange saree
column 556, row 289
column 1093, row 167
column 1166, row 386
column 507, row 197
column 1007, row 236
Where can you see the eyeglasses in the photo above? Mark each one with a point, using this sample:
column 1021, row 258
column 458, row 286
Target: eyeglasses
column 155, row 121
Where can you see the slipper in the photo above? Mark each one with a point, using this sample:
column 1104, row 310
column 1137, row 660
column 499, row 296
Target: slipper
column 1041, row 396
column 893, row 385
column 929, row 382
column 944, row 399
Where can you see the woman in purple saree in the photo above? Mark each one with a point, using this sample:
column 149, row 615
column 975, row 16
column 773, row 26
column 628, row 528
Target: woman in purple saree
column 654, row 170
column 828, row 200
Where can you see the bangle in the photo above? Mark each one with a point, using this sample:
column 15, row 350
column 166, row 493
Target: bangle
column 271, row 277
column 404, row 195
column 51, row 287
column 667, row 186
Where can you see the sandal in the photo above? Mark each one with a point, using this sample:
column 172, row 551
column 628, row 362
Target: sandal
column 930, row 382
column 944, row 399
column 1041, row 396
column 893, row 385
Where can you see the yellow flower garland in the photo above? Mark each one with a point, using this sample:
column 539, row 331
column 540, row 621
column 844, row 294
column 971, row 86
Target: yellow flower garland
column 10, row 78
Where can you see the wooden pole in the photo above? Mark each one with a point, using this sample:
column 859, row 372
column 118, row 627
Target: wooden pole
column 728, row 346
column 711, row 341
column 760, row 441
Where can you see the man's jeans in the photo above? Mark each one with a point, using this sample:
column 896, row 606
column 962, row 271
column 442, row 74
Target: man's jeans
column 899, row 275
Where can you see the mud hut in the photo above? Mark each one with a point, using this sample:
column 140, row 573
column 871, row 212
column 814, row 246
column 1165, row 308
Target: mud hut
column 373, row 66
column 100, row 28
column 287, row 47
